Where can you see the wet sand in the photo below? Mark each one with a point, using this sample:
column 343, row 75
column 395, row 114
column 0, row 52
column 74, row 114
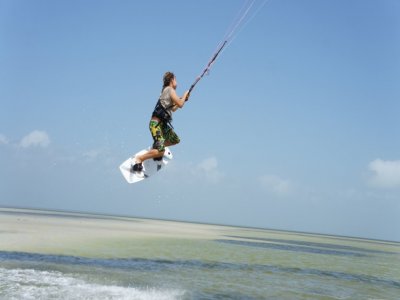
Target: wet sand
column 90, row 235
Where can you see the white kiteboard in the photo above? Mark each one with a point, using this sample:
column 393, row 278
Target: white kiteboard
column 150, row 166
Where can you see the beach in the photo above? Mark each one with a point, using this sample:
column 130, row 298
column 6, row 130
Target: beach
column 64, row 255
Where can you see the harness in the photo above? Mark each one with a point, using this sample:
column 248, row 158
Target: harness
column 162, row 113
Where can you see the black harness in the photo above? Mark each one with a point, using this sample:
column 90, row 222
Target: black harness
column 162, row 113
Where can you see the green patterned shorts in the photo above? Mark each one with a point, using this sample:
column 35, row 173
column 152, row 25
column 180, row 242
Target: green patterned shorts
column 161, row 134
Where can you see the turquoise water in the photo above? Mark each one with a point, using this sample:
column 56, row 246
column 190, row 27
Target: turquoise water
column 237, row 263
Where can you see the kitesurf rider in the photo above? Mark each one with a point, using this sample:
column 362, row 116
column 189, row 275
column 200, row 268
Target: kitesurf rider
column 160, row 123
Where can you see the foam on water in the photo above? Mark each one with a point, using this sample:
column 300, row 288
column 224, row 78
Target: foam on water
column 34, row 284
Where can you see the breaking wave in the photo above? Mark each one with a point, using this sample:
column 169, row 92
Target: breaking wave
column 35, row 284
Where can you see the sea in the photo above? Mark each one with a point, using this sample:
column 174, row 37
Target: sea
column 226, row 263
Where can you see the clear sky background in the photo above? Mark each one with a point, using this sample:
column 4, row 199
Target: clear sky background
column 297, row 127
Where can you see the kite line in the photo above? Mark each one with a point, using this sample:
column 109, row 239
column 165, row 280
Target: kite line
column 245, row 15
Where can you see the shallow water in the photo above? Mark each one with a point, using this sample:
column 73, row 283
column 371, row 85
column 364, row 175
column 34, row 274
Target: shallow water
column 227, row 263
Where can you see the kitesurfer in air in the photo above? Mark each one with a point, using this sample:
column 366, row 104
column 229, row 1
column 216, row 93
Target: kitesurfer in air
column 160, row 122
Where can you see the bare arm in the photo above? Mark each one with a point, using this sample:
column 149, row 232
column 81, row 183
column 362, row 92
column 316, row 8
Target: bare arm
column 178, row 102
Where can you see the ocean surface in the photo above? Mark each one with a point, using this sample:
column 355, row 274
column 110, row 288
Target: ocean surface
column 152, row 259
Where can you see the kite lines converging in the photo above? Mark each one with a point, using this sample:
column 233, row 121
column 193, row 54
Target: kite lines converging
column 249, row 10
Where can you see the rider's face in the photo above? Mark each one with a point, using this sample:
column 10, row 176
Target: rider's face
column 174, row 83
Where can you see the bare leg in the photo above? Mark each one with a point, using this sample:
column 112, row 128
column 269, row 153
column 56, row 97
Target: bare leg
column 153, row 153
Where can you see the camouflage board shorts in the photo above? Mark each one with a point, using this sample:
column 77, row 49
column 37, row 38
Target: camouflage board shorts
column 162, row 133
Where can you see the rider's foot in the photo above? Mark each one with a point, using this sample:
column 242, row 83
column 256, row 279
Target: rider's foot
column 137, row 167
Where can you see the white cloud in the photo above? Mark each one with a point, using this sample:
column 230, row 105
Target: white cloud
column 36, row 138
column 386, row 173
column 276, row 185
column 209, row 168
column 3, row 139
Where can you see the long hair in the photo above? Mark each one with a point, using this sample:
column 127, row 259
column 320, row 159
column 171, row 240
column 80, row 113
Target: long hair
column 168, row 77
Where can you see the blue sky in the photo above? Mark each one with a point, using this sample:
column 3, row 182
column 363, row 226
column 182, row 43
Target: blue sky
column 296, row 127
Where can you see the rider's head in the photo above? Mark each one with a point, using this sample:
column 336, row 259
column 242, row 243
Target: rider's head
column 169, row 78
